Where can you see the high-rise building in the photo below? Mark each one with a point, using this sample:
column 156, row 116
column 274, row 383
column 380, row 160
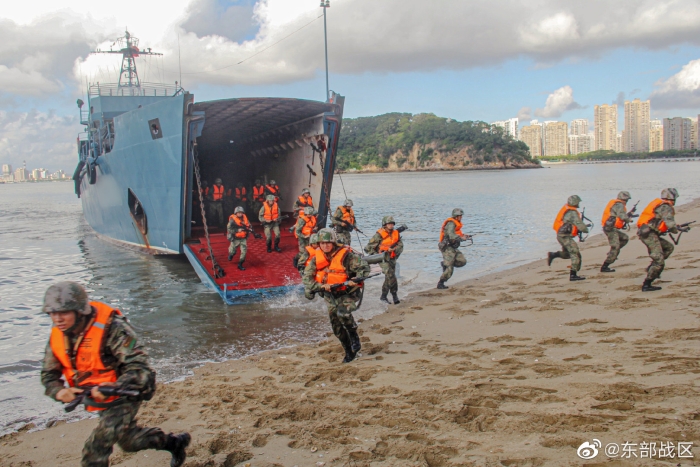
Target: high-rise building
column 556, row 139
column 693, row 134
column 532, row 136
column 678, row 133
column 579, row 144
column 579, row 127
column 21, row 174
column 510, row 127
column 6, row 169
column 618, row 143
column 635, row 136
column 605, row 127
column 656, row 136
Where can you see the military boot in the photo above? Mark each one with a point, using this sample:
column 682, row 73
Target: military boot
column 647, row 287
column 176, row 445
column 349, row 354
column 277, row 245
column 441, row 285
column 575, row 277
column 230, row 257
column 606, row 268
column 240, row 266
column 269, row 246
column 395, row 296
column 551, row 256
column 383, row 298
column 355, row 344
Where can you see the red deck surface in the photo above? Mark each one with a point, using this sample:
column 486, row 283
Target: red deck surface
column 263, row 269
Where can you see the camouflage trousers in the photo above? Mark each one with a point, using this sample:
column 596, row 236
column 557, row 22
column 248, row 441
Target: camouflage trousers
column 569, row 250
column 340, row 311
column 390, row 283
column 617, row 240
column 343, row 236
column 659, row 250
column 117, row 425
column 451, row 258
column 216, row 212
column 271, row 228
column 303, row 243
column 236, row 243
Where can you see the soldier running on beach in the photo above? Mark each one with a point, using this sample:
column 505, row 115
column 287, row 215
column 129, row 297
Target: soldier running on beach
column 450, row 238
column 343, row 222
column 93, row 346
column 330, row 273
column 615, row 218
column 567, row 225
column 388, row 241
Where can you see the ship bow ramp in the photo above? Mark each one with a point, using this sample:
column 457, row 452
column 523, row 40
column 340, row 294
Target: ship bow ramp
column 246, row 139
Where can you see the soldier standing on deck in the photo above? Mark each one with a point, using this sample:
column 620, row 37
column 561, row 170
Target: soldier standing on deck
column 616, row 217
column 343, row 221
column 241, row 194
column 217, row 200
column 387, row 240
column 303, row 201
column 273, row 189
column 657, row 219
column 238, row 229
column 567, row 225
column 269, row 217
column 93, row 345
column 335, row 264
column 305, row 226
column 450, row 238
column 258, row 196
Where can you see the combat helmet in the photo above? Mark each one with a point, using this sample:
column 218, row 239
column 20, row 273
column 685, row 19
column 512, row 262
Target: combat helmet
column 238, row 209
column 67, row 296
column 624, row 195
column 327, row 235
column 313, row 239
column 257, row 181
column 305, row 191
column 574, row 200
column 669, row 193
column 388, row 220
column 270, row 198
column 309, row 210
column 457, row 212
column 348, row 203
column 218, row 180
column 272, row 182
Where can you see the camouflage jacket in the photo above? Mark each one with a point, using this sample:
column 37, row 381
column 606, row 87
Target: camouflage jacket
column 354, row 265
column 337, row 220
column 121, row 350
column 572, row 218
column 373, row 245
column 618, row 210
column 451, row 232
column 300, row 225
column 298, row 205
column 664, row 213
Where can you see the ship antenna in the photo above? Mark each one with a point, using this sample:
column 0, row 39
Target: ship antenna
column 179, row 63
column 129, row 50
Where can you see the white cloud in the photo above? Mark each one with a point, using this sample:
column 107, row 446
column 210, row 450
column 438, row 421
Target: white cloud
column 680, row 91
column 524, row 114
column 558, row 102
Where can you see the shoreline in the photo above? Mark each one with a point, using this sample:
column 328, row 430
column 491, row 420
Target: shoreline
column 435, row 169
column 517, row 366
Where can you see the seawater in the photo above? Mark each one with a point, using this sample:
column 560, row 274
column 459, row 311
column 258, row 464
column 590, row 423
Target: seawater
column 44, row 239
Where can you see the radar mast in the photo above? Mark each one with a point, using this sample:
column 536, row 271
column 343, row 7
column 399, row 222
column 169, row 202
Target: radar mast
column 129, row 49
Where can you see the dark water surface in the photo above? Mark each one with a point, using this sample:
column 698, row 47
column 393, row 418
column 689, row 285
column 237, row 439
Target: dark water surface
column 44, row 239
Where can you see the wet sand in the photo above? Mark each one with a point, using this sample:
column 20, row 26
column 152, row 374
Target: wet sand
column 517, row 368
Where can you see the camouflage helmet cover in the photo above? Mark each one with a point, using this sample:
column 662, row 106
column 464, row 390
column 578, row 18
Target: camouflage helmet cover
column 67, row 296
column 305, row 191
column 457, row 212
column 573, row 200
column 327, row 235
column 313, row 239
column 238, row 209
column 218, row 180
column 388, row 220
column 348, row 203
column 270, row 198
column 669, row 193
column 309, row 211
column 272, row 182
column 624, row 195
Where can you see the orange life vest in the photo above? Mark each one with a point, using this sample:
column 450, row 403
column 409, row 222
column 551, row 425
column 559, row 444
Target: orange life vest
column 240, row 223
column 310, row 224
column 619, row 223
column 648, row 214
column 559, row 221
column 90, row 370
column 348, row 215
column 271, row 213
column 333, row 271
column 241, row 194
column 312, row 253
column 388, row 240
column 259, row 193
column 458, row 227
column 302, row 202
column 274, row 190
column 218, row 192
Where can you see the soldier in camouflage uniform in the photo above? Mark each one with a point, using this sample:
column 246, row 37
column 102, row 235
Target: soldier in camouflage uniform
column 75, row 317
column 569, row 218
column 343, row 222
column 656, row 220
column 305, row 227
column 617, row 219
column 450, row 238
column 389, row 242
column 305, row 256
column 341, row 303
column 237, row 233
column 271, row 224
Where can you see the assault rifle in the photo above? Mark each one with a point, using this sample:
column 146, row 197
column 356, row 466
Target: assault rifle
column 245, row 229
column 356, row 280
column 633, row 210
column 456, row 243
column 106, row 390
column 681, row 228
column 590, row 225
column 350, row 226
column 279, row 219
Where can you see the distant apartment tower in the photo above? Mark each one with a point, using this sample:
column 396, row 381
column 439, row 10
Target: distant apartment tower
column 556, row 139
column 579, row 127
column 510, row 127
column 678, row 133
column 605, row 127
column 21, row 174
column 531, row 135
column 6, row 170
column 635, row 136
column 656, row 136
column 693, row 134
column 579, row 144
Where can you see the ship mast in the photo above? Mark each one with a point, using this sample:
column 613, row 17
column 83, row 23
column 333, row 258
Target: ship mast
column 129, row 49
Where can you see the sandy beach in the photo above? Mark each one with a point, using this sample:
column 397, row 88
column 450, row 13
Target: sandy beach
column 517, row 368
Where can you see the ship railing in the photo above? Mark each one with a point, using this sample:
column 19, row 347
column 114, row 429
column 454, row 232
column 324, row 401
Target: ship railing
column 84, row 117
column 145, row 89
